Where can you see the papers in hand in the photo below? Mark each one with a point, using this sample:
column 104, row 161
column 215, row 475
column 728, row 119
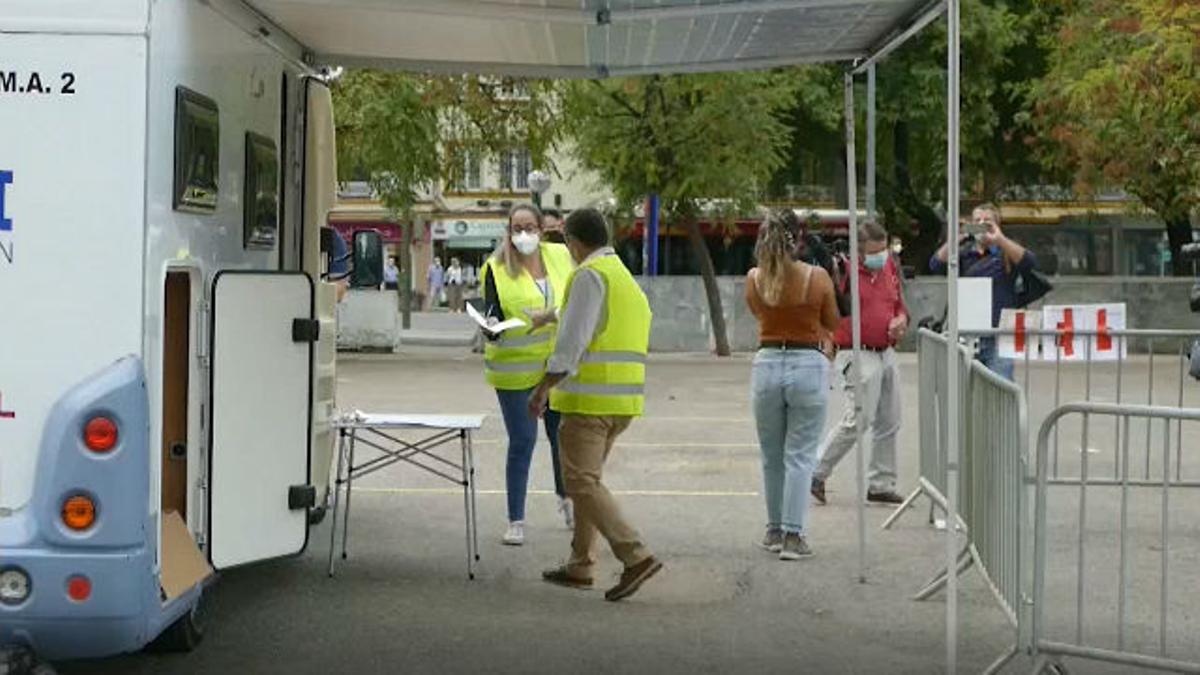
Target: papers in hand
column 494, row 329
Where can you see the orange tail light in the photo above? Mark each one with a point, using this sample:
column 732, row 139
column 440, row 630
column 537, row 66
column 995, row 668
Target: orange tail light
column 79, row 512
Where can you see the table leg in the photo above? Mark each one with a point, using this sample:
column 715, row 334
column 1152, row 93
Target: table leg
column 474, row 506
column 337, row 490
column 466, row 483
column 349, row 493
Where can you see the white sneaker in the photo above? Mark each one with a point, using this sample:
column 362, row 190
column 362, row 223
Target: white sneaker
column 515, row 535
column 567, row 508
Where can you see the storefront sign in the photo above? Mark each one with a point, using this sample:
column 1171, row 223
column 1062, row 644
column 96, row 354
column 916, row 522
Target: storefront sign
column 392, row 233
column 450, row 230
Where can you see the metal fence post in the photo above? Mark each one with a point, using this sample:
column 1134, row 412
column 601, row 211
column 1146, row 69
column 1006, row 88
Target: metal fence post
column 856, row 328
column 952, row 195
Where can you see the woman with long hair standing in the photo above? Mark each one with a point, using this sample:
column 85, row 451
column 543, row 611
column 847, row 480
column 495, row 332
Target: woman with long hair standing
column 797, row 311
column 524, row 278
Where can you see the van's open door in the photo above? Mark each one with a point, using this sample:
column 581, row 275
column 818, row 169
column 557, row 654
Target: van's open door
column 259, row 491
column 320, row 195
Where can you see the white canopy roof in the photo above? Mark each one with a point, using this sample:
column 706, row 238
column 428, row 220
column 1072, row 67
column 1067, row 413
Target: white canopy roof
column 593, row 38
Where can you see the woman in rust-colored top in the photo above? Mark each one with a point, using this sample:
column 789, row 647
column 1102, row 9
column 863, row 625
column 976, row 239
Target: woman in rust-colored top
column 797, row 311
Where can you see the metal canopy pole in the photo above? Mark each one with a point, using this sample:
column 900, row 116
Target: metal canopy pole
column 871, row 206
column 855, row 326
column 952, row 354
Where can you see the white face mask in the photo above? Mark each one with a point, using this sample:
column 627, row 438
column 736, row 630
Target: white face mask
column 526, row 242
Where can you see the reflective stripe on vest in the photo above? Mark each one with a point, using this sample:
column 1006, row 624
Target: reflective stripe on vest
column 612, row 373
column 526, row 340
column 517, row 359
column 613, row 357
column 575, row 387
column 515, row 367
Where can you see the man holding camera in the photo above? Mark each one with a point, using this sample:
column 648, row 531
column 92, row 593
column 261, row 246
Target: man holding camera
column 984, row 251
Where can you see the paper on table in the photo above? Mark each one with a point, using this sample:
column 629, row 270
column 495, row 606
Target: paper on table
column 496, row 329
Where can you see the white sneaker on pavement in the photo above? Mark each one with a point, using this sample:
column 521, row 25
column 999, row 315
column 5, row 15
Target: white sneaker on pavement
column 567, row 508
column 515, row 535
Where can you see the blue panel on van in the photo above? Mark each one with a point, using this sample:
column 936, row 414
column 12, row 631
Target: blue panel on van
column 117, row 480
column 124, row 610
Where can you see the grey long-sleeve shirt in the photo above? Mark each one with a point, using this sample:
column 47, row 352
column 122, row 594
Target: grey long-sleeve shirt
column 581, row 319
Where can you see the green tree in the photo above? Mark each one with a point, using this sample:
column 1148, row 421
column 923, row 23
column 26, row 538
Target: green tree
column 403, row 131
column 912, row 121
column 1120, row 105
column 387, row 133
column 1000, row 53
column 694, row 140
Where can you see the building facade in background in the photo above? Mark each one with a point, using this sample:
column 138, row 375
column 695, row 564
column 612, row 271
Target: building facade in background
column 465, row 221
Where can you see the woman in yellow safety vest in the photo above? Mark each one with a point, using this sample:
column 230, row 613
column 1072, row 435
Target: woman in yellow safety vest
column 525, row 276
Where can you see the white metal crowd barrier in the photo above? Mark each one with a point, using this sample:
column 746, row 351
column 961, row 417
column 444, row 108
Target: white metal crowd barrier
column 1148, row 367
column 931, row 482
column 1003, row 491
column 1088, row 608
column 992, row 497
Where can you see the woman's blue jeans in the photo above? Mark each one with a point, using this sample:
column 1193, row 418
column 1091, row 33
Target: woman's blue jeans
column 790, row 390
column 522, row 437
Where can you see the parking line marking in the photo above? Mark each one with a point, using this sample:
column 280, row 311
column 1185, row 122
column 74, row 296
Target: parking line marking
column 619, row 493
column 635, row 444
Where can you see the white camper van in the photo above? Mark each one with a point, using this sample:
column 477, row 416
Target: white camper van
column 166, row 335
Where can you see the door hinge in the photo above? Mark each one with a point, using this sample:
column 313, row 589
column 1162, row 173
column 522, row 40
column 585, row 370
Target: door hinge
column 306, row 330
column 301, row 497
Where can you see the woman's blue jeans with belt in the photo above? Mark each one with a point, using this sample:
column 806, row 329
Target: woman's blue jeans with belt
column 522, row 438
column 790, row 391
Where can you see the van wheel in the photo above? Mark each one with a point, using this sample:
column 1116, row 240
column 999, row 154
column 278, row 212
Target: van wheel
column 22, row 661
column 185, row 634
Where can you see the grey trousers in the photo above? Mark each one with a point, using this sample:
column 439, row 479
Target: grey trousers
column 881, row 416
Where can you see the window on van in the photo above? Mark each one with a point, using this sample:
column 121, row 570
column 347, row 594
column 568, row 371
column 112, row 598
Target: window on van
column 197, row 146
column 260, row 222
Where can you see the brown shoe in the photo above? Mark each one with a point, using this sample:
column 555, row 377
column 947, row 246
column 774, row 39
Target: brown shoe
column 818, row 491
column 561, row 577
column 633, row 578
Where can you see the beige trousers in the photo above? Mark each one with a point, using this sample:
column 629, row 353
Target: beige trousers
column 584, row 444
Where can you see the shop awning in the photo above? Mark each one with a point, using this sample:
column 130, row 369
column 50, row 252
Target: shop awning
column 592, row 38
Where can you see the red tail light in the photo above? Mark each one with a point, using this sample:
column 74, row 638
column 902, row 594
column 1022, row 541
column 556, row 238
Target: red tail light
column 100, row 434
column 79, row 588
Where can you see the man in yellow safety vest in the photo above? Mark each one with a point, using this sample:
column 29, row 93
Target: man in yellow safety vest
column 595, row 379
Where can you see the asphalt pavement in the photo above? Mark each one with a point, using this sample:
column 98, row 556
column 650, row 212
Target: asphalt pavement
column 688, row 475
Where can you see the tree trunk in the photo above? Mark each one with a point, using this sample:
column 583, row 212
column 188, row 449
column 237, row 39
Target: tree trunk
column 406, row 275
column 841, row 188
column 716, row 312
column 1179, row 232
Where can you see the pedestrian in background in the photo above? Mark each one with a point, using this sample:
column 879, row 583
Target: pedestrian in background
column 435, row 278
column 984, row 251
column 524, row 278
column 596, row 381
column 454, row 286
column 796, row 310
column 883, row 320
column 552, row 226
column 391, row 274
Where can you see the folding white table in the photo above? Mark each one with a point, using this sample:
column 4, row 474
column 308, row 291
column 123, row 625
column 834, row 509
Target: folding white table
column 380, row 434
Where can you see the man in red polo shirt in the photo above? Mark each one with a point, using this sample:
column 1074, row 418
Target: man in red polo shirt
column 884, row 320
